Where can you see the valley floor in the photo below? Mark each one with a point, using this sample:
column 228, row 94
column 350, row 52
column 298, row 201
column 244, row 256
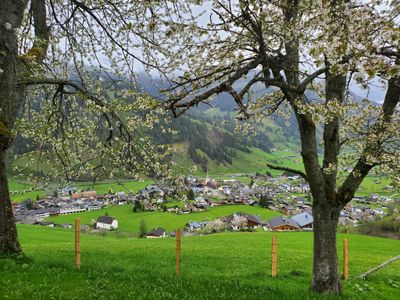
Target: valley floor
column 220, row 266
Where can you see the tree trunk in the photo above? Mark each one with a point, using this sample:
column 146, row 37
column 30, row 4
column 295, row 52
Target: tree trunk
column 11, row 14
column 325, row 264
column 8, row 232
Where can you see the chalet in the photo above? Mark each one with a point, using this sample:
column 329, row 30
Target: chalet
column 304, row 220
column 122, row 202
column 186, row 211
column 156, row 233
column 250, row 221
column 88, row 194
column 365, row 216
column 288, row 209
column 283, row 224
column 379, row 211
column 174, row 209
column 106, row 222
column 193, row 225
column 45, row 223
column 346, row 220
column 66, row 226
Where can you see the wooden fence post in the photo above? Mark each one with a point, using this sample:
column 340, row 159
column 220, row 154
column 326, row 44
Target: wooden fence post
column 178, row 252
column 77, row 244
column 345, row 259
column 274, row 256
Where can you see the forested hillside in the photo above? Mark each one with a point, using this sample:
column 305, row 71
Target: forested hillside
column 208, row 132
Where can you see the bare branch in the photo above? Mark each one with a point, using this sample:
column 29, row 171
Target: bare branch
column 281, row 168
column 224, row 86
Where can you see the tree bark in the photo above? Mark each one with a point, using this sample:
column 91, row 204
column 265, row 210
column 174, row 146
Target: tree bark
column 8, row 232
column 11, row 14
column 325, row 262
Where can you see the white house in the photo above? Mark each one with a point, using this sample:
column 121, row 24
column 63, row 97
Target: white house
column 106, row 222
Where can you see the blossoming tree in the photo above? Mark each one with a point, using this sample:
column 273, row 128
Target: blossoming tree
column 290, row 47
column 63, row 70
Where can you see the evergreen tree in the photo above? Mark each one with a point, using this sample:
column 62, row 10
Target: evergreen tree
column 143, row 228
column 190, row 194
column 264, row 201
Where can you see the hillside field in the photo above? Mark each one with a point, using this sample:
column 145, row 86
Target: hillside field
column 243, row 163
column 130, row 222
column 220, row 266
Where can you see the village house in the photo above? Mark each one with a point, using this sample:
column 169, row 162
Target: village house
column 106, row 222
column 193, row 225
column 240, row 220
column 156, row 233
column 346, row 220
column 89, row 194
column 66, row 226
column 283, row 223
column 304, row 220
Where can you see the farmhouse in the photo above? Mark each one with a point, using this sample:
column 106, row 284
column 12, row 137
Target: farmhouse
column 304, row 220
column 283, row 224
column 193, row 225
column 106, row 222
column 156, row 233
column 241, row 220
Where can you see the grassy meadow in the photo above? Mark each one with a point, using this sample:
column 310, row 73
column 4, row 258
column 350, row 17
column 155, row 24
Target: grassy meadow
column 220, row 266
column 115, row 186
column 130, row 222
column 23, row 190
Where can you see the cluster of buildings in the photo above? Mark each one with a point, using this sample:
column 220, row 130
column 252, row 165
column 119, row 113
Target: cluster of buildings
column 240, row 221
column 208, row 193
column 289, row 195
column 66, row 202
column 243, row 221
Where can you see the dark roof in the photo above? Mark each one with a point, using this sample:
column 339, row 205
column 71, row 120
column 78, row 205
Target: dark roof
column 158, row 231
column 211, row 185
column 280, row 221
column 105, row 219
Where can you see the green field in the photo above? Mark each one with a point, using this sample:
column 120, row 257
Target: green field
column 220, row 266
column 22, row 190
column 115, row 186
column 129, row 221
column 375, row 185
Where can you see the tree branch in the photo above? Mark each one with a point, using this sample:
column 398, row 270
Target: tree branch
column 310, row 78
column 366, row 274
column 280, row 168
column 55, row 81
column 224, row 86
column 42, row 31
column 346, row 191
